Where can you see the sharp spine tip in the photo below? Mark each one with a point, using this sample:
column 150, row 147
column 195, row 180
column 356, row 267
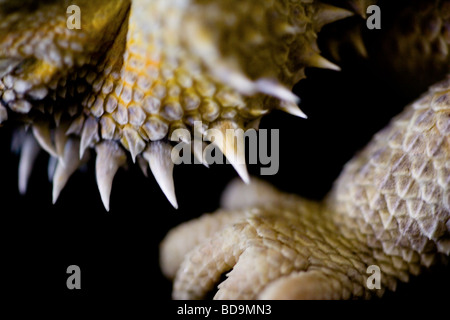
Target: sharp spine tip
column 293, row 109
column 110, row 157
column 198, row 146
column 60, row 140
column 327, row 14
column 29, row 153
column 52, row 163
column 318, row 61
column 63, row 172
column 360, row 6
column 277, row 90
column 44, row 137
column 241, row 169
column 135, row 143
column 234, row 152
column 88, row 135
column 358, row 43
column 158, row 155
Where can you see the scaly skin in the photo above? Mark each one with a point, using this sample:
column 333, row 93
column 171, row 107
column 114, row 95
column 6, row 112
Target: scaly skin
column 138, row 70
column 390, row 207
column 132, row 75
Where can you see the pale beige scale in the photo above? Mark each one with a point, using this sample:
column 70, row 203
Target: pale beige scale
column 137, row 70
column 390, row 207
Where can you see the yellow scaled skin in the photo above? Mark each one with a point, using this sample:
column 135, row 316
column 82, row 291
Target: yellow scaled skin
column 137, row 70
column 214, row 62
column 422, row 34
column 390, row 208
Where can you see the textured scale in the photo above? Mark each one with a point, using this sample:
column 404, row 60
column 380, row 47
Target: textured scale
column 138, row 70
column 390, row 207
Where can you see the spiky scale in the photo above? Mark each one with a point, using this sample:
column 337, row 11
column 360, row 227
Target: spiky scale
column 89, row 135
column 43, row 135
column 229, row 138
column 139, row 71
column 360, row 6
column 158, row 154
column 65, row 168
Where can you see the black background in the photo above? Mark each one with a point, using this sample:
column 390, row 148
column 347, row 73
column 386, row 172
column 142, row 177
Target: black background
column 118, row 251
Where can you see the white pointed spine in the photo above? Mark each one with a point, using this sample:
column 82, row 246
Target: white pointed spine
column 276, row 90
column 232, row 144
column 43, row 135
column 198, row 147
column 29, row 153
column 158, row 155
column 63, row 172
column 326, row 14
column 134, row 142
column 89, row 134
column 60, row 140
column 292, row 108
column 52, row 163
column 317, row 61
column 110, row 157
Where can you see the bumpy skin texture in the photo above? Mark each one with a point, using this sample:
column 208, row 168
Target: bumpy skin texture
column 137, row 70
column 421, row 32
column 390, row 207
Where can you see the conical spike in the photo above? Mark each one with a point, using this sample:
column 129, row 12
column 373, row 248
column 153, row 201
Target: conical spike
column 356, row 39
column 61, row 139
column 63, row 172
column 158, row 155
column 89, row 134
column 133, row 140
column 326, row 14
column 276, row 90
column 57, row 117
column 232, row 77
column 360, row 6
column 76, row 126
column 198, row 146
column 292, row 108
column 334, row 48
column 43, row 136
column 109, row 158
column 317, row 61
column 233, row 150
column 30, row 151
